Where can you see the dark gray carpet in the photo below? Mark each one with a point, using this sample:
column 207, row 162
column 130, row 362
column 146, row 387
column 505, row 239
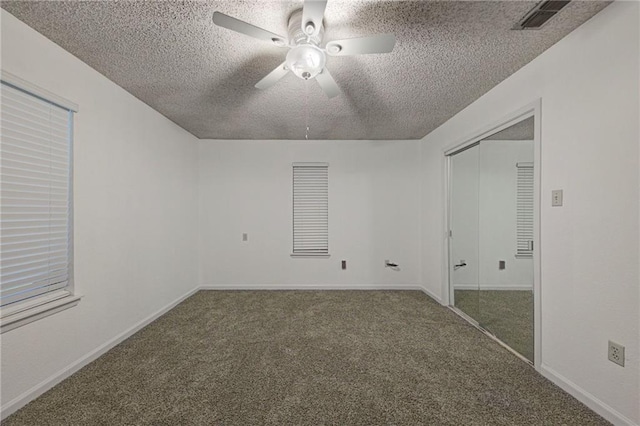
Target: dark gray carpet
column 508, row 314
column 307, row 357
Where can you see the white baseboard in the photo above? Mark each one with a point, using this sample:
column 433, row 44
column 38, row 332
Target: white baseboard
column 432, row 295
column 586, row 398
column 492, row 287
column 400, row 287
column 31, row 394
column 311, row 287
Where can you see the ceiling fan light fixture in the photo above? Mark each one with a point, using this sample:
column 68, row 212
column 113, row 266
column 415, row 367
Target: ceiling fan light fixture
column 306, row 61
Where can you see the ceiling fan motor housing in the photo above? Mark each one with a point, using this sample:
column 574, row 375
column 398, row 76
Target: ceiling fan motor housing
column 297, row 35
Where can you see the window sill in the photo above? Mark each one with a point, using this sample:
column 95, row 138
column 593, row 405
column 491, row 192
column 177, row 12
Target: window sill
column 524, row 256
column 32, row 310
column 310, row 255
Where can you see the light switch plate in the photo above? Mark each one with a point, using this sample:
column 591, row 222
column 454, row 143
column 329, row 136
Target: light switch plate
column 556, row 198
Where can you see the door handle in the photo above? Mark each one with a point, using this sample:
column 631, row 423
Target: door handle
column 459, row 265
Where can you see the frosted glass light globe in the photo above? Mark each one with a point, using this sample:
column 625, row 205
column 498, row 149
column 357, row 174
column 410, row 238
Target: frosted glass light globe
column 306, row 61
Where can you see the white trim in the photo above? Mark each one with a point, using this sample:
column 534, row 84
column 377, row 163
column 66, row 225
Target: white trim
column 588, row 399
column 533, row 109
column 306, row 164
column 329, row 287
column 523, row 256
column 431, row 295
column 446, row 290
column 16, row 81
column 537, row 235
column 302, row 287
column 22, row 313
column 527, row 164
column 310, row 255
column 499, row 125
column 492, row 287
column 31, row 394
column 71, row 286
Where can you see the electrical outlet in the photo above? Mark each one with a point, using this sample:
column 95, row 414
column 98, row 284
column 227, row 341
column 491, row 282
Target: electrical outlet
column 556, row 198
column 616, row 353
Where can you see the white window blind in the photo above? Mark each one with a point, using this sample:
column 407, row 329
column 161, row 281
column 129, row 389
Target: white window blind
column 35, row 183
column 524, row 210
column 310, row 209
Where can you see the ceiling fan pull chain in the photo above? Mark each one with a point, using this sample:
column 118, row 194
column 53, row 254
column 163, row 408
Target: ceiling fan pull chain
column 306, row 108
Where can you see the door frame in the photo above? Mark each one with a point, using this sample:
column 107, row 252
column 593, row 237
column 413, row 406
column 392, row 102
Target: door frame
column 532, row 109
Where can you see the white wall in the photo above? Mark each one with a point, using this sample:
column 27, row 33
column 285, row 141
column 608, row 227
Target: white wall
column 374, row 214
column 497, row 210
column 589, row 87
column 135, row 195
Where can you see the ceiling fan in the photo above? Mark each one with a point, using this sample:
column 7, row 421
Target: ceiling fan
column 306, row 57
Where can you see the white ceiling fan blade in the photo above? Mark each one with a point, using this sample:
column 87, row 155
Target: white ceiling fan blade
column 273, row 77
column 328, row 84
column 382, row 43
column 313, row 11
column 242, row 27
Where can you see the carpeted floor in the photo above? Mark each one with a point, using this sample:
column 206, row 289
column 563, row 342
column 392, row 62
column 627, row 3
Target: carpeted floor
column 307, row 358
column 508, row 314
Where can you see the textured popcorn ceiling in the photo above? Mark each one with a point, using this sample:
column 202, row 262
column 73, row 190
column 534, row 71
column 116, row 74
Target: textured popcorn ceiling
column 170, row 55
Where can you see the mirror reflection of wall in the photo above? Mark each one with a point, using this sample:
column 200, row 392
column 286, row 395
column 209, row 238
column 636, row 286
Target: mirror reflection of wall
column 499, row 158
column 506, row 295
column 492, row 224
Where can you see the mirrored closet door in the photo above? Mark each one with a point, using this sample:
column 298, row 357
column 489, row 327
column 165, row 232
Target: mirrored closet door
column 491, row 235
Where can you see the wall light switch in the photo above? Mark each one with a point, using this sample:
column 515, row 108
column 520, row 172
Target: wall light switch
column 245, row 237
column 556, row 198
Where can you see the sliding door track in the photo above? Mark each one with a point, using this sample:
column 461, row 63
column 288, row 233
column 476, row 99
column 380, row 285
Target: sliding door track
column 486, row 332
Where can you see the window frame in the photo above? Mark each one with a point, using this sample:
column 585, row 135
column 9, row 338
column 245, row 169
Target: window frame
column 25, row 311
column 522, row 253
column 301, row 254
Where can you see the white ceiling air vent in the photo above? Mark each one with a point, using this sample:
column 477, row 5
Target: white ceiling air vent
column 540, row 14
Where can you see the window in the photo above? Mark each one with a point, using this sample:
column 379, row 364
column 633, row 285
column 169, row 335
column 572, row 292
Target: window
column 310, row 209
column 35, row 214
column 524, row 210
